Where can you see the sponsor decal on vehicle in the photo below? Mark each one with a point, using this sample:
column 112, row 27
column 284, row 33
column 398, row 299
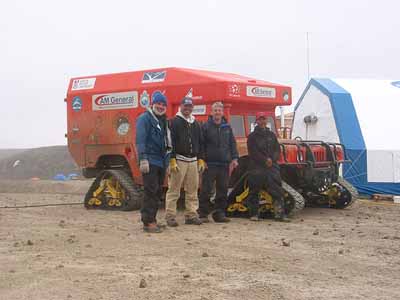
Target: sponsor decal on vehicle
column 144, row 99
column 396, row 84
column 150, row 77
column 199, row 110
column 76, row 103
column 234, row 90
column 115, row 101
column 260, row 91
column 190, row 95
column 123, row 126
column 83, row 84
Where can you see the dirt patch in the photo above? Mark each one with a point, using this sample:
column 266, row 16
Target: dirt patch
column 72, row 253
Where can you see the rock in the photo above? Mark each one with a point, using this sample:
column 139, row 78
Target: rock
column 205, row 254
column 186, row 275
column 12, row 271
column 316, row 232
column 60, row 266
column 341, row 251
column 285, row 243
column 386, row 237
column 61, row 223
column 16, row 244
column 29, row 243
column 301, row 220
column 142, row 283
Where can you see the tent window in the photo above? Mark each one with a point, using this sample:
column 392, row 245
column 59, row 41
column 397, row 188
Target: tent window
column 237, row 124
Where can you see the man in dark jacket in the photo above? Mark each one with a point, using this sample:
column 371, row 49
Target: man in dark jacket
column 264, row 152
column 152, row 144
column 185, row 164
column 220, row 154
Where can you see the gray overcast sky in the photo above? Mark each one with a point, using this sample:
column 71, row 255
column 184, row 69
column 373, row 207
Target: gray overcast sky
column 45, row 43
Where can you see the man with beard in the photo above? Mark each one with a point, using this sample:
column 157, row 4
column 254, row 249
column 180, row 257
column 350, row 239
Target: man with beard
column 153, row 144
column 264, row 152
column 185, row 164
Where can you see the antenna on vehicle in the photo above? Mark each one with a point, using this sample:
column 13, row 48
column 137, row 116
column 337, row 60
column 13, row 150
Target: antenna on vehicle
column 308, row 56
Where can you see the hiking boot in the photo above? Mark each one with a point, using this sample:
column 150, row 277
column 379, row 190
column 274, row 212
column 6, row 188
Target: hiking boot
column 220, row 218
column 152, row 228
column 254, row 218
column 171, row 222
column 193, row 221
column 204, row 219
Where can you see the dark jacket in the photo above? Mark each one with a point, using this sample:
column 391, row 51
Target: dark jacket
column 186, row 138
column 152, row 139
column 261, row 145
column 219, row 143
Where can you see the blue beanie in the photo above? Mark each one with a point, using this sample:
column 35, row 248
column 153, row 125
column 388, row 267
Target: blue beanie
column 158, row 97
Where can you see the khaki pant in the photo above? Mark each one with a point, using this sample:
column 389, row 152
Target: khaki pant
column 188, row 176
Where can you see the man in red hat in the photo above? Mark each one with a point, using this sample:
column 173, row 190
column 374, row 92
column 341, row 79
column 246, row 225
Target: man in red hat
column 264, row 152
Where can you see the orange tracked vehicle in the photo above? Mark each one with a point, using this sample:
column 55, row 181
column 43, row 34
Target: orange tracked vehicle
column 102, row 112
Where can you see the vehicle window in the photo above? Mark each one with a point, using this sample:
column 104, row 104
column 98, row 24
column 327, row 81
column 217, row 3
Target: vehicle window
column 252, row 123
column 237, row 124
column 271, row 124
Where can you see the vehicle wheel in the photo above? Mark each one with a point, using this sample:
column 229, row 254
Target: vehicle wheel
column 114, row 190
column 294, row 201
column 348, row 194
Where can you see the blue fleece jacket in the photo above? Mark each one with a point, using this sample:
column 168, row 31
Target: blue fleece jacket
column 151, row 139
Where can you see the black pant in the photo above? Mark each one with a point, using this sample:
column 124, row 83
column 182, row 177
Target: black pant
column 219, row 175
column 265, row 178
column 152, row 182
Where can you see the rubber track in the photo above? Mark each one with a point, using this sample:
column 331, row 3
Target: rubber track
column 299, row 201
column 135, row 194
column 349, row 187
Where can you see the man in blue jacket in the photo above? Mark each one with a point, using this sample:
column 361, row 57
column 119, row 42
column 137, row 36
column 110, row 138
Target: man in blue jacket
column 153, row 144
column 220, row 154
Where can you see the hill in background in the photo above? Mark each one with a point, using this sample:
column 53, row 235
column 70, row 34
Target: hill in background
column 44, row 162
column 4, row 153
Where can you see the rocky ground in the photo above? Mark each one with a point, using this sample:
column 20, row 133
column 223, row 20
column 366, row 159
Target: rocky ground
column 67, row 252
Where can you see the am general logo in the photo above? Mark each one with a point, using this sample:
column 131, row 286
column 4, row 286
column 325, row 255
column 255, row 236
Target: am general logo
column 115, row 101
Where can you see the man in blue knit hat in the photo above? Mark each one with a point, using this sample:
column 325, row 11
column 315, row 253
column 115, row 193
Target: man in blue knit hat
column 153, row 143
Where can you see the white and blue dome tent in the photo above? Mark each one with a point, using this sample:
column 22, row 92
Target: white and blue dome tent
column 363, row 115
